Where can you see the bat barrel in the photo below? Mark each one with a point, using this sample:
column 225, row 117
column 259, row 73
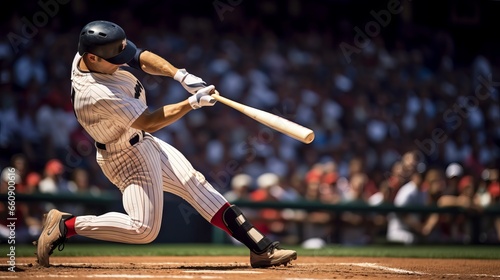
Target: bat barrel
column 275, row 122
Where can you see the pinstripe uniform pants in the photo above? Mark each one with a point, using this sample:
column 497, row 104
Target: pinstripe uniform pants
column 142, row 173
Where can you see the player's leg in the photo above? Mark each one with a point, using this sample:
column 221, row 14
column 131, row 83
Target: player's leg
column 180, row 178
column 137, row 173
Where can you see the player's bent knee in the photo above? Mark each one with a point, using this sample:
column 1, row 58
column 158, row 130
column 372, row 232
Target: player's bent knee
column 146, row 237
column 146, row 234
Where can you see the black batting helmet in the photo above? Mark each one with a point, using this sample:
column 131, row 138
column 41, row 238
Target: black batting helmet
column 106, row 40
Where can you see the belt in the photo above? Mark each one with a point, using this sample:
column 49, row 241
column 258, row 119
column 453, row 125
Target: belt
column 132, row 141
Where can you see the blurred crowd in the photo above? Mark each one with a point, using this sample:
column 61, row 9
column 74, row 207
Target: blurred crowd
column 409, row 183
column 401, row 121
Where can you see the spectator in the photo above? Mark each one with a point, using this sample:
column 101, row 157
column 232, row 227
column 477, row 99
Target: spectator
column 487, row 196
column 79, row 183
column 434, row 184
column 313, row 181
column 383, row 196
column 278, row 222
column 396, row 179
column 328, row 191
column 53, row 180
column 28, row 217
column 32, row 182
column 321, row 186
column 240, row 188
column 378, row 221
column 467, row 198
column 404, row 228
column 454, row 172
column 283, row 192
column 354, row 226
column 9, row 173
column 271, row 222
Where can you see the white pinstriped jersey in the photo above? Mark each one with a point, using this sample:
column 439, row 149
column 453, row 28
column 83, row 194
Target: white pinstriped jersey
column 106, row 105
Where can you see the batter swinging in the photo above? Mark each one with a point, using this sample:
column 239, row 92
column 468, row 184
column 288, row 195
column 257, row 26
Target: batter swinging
column 110, row 104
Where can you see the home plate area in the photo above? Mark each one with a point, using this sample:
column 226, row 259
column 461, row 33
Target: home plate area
column 231, row 267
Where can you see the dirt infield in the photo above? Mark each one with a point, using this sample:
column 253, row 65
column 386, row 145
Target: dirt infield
column 304, row 268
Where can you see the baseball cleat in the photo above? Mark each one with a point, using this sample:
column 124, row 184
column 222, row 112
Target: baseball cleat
column 53, row 235
column 273, row 256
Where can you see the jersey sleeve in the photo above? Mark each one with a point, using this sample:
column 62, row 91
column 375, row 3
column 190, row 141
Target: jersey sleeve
column 124, row 110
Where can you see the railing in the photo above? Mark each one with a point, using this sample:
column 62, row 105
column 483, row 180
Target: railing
column 304, row 205
column 361, row 207
column 475, row 217
column 110, row 199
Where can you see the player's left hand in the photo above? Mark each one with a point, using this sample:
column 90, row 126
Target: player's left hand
column 203, row 98
column 189, row 81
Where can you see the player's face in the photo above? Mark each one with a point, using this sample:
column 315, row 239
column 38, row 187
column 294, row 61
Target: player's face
column 97, row 64
column 107, row 67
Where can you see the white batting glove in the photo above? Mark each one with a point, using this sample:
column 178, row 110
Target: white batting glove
column 202, row 98
column 190, row 82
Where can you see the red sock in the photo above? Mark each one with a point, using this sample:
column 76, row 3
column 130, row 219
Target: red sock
column 70, row 226
column 218, row 221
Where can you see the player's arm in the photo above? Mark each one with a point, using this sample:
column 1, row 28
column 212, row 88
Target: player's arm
column 164, row 116
column 168, row 114
column 154, row 64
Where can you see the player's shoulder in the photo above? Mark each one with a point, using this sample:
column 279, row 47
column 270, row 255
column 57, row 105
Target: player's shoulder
column 88, row 84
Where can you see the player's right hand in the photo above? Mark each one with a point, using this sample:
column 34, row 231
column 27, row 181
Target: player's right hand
column 203, row 98
column 189, row 81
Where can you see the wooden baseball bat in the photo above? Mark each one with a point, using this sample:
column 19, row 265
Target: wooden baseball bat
column 275, row 122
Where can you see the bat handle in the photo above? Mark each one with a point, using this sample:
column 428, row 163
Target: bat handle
column 228, row 102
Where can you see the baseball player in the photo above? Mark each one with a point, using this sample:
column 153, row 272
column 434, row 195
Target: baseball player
column 110, row 104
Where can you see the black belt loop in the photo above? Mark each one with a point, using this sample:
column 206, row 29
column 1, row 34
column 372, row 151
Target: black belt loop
column 132, row 141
